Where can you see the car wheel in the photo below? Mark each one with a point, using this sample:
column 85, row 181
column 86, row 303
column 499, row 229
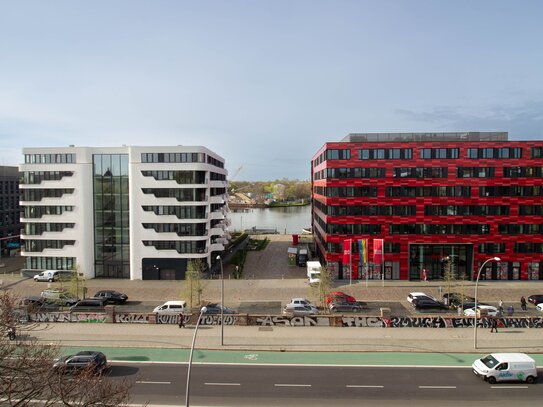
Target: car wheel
column 491, row 380
column 356, row 309
column 530, row 380
column 333, row 309
column 50, row 280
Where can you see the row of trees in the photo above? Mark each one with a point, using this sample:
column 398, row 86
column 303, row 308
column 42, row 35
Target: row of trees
column 281, row 190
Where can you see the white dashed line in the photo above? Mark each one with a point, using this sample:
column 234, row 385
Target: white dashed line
column 509, row 387
column 222, row 384
column 437, row 387
column 146, row 382
column 291, row 385
column 365, row 386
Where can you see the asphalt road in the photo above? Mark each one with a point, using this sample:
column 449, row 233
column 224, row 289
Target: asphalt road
column 235, row 385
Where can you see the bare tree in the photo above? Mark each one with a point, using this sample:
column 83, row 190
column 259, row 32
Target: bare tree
column 27, row 376
column 321, row 289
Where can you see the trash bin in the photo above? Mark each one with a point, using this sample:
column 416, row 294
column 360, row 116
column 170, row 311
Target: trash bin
column 295, row 240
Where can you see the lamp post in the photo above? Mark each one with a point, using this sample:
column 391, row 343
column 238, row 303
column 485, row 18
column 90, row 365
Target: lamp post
column 187, row 390
column 222, row 302
column 475, row 309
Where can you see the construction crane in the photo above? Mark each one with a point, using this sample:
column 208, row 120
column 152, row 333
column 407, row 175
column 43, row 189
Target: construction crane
column 236, row 173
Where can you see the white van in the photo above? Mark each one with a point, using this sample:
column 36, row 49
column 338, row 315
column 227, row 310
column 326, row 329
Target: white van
column 500, row 367
column 314, row 272
column 171, row 308
column 54, row 275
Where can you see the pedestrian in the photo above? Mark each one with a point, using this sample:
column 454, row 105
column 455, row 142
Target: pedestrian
column 494, row 325
column 510, row 311
column 181, row 321
column 500, row 307
column 523, row 303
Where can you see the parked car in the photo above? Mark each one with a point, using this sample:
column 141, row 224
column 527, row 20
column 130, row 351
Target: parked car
column 54, row 275
column 344, row 306
column 216, row 309
column 112, row 296
column 427, row 303
column 300, row 310
column 171, row 308
column 471, row 304
column 33, row 304
column 484, row 309
column 59, row 296
column 91, row 360
column 456, row 299
column 300, row 301
column 539, row 306
column 412, row 296
column 89, row 305
column 536, row 299
column 339, row 296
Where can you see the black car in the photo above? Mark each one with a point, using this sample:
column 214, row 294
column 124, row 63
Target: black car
column 112, row 296
column 216, row 309
column 428, row 303
column 92, row 361
column 345, row 306
column 456, row 299
column 535, row 299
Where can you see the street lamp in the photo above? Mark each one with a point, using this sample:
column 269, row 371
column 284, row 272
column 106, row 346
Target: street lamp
column 475, row 309
column 222, row 302
column 202, row 312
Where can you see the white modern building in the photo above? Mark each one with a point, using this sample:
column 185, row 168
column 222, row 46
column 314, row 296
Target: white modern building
column 123, row 212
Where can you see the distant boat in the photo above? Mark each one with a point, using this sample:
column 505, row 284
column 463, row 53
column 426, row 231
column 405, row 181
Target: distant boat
column 307, row 231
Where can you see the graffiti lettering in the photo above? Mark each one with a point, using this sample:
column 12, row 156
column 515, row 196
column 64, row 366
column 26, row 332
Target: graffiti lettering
column 365, row 322
column 216, row 320
column 168, row 319
column 270, row 320
column 132, row 318
column 67, row 317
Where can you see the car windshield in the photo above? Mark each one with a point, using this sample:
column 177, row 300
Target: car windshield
column 489, row 361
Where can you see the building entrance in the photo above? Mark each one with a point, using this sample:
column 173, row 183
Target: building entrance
column 433, row 261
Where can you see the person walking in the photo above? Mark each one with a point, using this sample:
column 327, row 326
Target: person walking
column 500, row 307
column 523, row 303
column 494, row 325
column 510, row 311
column 181, row 321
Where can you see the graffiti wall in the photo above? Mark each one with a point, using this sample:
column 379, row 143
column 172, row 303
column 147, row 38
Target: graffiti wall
column 278, row 320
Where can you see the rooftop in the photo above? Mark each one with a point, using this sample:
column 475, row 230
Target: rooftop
column 440, row 136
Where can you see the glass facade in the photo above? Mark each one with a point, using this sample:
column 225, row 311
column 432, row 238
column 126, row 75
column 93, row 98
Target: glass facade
column 111, row 216
column 434, row 258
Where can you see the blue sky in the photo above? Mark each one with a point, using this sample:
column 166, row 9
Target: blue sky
column 264, row 83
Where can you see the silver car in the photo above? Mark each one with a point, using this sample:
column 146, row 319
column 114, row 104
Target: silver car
column 300, row 310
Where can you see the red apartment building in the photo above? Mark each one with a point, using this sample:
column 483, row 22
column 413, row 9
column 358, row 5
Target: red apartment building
column 437, row 200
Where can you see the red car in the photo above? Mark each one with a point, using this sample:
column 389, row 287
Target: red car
column 339, row 296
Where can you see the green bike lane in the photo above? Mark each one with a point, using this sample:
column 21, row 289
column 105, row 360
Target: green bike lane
column 176, row 355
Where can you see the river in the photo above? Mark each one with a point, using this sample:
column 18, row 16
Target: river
column 288, row 220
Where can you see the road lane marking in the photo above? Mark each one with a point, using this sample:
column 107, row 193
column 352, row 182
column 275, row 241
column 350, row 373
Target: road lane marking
column 437, row 387
column 291, row 385
column 365, row 386
column 509, row 387
column 150, row 382
column 222, row 384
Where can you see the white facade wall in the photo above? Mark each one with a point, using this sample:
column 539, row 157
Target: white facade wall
column 82, row 199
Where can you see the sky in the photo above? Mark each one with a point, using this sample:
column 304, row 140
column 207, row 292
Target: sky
column 264, row 84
